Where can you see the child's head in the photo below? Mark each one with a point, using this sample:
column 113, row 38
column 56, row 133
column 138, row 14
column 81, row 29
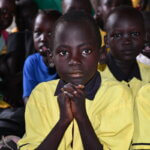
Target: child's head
column 75, row 47
column 43, row 25
column 84, row 5
column 103, row 7
column 125, row 33
column 146, row 50
column 26, row 12
column 7, row 11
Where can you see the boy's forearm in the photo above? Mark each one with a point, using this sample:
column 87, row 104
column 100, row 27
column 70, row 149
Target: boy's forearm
column 89, row 138
column 53, row 140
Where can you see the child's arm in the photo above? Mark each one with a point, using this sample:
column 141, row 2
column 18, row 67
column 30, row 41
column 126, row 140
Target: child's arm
column 77, row 96
column 54, row 138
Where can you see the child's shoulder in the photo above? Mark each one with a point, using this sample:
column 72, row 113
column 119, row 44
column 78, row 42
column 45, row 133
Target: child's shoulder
column 113, row 83
column 145, row 89
column 33, row 59
column 143, row 66
column 47, row 86
column 112, row 89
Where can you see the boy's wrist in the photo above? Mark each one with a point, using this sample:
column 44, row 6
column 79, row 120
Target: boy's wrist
column 64, row 122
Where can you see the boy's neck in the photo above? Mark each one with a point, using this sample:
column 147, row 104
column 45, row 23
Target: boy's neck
column 124, row 66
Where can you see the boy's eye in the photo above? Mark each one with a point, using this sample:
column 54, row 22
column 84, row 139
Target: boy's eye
column 37, row 33
column 86, row 52
column 116, row 35
column 49, row 33
column 3, row 11
column 135, row 34
column 63, row 53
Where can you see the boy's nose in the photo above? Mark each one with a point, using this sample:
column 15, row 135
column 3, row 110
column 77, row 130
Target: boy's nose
column 75, row 60
column 127, row 38
column 42, row 37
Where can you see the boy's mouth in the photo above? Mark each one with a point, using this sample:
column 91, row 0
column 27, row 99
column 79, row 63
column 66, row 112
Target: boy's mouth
column 76, row 74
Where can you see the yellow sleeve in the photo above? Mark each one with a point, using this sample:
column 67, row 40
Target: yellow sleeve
column 37, row 124
column 141, row 138
column 116, row 119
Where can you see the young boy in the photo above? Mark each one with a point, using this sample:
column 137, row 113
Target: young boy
column 125, row 38
column 78, row 111
column 141, row 136
column 36, row 67
column 84, row 5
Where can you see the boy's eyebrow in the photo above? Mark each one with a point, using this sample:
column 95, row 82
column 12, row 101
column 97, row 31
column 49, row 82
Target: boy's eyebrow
column 80, row 45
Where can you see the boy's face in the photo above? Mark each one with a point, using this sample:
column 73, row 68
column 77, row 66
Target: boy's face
column 125, row 37
column 103, row 8
column 75, row 52
column 7, row 10
column 42, row 33
column 75, row 5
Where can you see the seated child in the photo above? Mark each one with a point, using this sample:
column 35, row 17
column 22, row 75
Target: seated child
column 78, row 111
column 7, row 12
column 36, row 67
column 141, row 136
column 144, row 56
column 125, row 38
column 84, row 5
column 102, row 8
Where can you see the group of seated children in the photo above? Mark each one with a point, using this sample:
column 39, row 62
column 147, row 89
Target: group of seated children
column 88, row 108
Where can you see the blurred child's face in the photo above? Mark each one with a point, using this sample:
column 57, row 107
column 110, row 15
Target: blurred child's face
column 7, row 10
column 75, row 52
column 25, row 18
column 42, row 33
column 75, row 5
column 103, row 8
column 125, row 37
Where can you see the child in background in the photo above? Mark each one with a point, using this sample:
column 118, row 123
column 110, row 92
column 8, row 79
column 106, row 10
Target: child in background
column 102, row 8
column 37, row 68
column 26, row 11
column 7, row 11
column 21, row 38
column 144, row 56
column 78, row 111
column 84, row 5
column 125, row 38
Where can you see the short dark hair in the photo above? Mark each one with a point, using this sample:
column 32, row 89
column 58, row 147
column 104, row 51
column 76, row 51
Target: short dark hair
column 54, row 14
column 125, row 11
column 86, row 3
column 77, row 17
column 96, row 3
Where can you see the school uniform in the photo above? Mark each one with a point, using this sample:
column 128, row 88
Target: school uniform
column 138, row 76
column 111, row 115
column 141, row 138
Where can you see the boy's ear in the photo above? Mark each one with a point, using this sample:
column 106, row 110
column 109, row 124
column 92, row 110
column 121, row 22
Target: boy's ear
column 106, row 41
